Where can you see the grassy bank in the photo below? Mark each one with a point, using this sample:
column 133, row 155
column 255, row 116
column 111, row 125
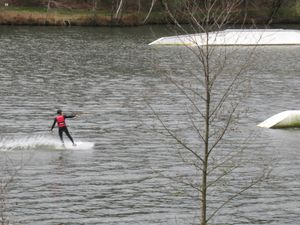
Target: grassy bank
column 77, row 17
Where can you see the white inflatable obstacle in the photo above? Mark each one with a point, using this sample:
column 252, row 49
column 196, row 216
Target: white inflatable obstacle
column 284, row 119
column 235, row 37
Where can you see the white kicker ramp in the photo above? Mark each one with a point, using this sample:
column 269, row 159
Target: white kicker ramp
column 233, row 37
column 286, row 119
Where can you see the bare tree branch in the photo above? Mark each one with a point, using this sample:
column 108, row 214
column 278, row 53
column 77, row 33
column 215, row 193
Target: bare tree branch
column 247, row 187
column 174, row 136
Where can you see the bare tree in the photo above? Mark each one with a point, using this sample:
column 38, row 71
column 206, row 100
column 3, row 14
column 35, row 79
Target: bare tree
column 5, row 182
column 213, row 96
column 49, row 5
column 117, row 10
column 275, row 7
column 95, row 5
column 9, row 172
column 150, row 10
column 138, row 6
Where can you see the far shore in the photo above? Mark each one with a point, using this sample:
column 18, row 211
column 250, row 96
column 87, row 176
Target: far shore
column 84, row 17
column 64, row 17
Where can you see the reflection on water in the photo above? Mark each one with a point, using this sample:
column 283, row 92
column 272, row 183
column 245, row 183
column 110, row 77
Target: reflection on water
column 104, row 74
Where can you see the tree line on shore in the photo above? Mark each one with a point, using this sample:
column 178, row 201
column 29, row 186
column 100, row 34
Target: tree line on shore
column 136, row 4
column 262, row 10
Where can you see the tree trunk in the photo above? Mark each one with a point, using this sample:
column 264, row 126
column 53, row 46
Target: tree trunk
column 150, row 10
column 49, row 5
column 94, row 11
column 139, row 6
column 119, row 9
column 276, row 5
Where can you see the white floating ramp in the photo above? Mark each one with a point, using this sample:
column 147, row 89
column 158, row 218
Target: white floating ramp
column 286, row 119
column 235, row 37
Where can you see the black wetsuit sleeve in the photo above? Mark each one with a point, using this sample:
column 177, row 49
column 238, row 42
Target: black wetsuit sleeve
column 53, row 125
column 69, row 116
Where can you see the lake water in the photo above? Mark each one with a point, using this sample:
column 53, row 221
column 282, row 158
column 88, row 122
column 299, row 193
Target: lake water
column 113, row 175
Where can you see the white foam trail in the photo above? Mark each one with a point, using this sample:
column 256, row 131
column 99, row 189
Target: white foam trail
column 80, row 145
column 39, row 142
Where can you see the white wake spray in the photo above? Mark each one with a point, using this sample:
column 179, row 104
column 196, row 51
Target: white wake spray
column 35, row 142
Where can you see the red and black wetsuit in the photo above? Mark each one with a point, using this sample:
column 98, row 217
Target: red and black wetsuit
column 62, row 127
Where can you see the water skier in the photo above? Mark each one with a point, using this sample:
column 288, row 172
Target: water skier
column 62, row 127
